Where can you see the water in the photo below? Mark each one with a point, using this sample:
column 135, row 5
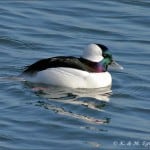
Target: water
column 35, row 117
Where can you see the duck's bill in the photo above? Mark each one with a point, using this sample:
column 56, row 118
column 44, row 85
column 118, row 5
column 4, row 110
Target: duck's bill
column 115, row 65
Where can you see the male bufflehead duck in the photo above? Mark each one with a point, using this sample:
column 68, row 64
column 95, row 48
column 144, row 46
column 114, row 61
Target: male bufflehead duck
column 87, row 71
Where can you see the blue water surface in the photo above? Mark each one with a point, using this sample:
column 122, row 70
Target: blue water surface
column 35, row 117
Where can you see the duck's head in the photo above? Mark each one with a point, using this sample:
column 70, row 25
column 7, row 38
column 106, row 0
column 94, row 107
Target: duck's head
column 100, row 53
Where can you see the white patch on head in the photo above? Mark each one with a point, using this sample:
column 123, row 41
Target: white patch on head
column 93, row 53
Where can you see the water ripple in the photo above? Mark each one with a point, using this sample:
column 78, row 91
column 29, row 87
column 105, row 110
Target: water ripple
column 41, row 117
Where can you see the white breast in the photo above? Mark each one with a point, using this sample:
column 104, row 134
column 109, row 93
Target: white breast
column 72, row 78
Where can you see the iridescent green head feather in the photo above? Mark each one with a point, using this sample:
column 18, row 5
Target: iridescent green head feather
column 107, row 56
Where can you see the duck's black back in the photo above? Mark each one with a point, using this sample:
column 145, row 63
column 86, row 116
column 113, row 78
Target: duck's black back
column 61, row 61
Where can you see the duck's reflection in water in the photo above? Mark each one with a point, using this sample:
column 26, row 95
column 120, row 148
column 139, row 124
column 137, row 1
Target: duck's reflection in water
column 76, row 103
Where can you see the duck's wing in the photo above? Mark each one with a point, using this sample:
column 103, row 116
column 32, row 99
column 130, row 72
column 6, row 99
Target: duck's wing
column 61, row 61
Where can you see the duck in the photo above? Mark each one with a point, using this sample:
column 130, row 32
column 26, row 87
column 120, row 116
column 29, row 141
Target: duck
column 90, row 70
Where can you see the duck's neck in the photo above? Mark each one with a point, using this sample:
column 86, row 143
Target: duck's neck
column 96, row 67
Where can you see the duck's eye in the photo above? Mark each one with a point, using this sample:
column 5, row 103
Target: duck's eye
column 105, row 55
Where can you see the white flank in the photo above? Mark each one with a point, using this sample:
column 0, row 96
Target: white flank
column 72, row 78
